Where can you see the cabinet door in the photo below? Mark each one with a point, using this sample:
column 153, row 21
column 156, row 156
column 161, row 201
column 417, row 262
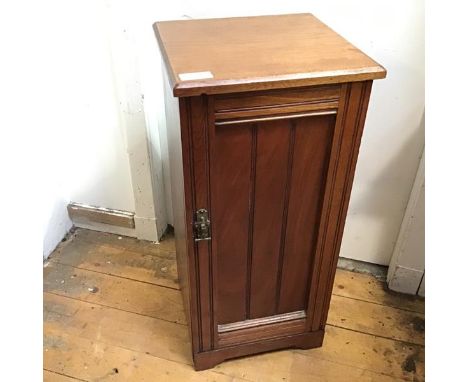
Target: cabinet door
column 272, row 170
column 267, row 188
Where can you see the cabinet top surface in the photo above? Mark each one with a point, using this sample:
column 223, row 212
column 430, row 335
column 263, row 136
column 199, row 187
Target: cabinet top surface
column 214, row 56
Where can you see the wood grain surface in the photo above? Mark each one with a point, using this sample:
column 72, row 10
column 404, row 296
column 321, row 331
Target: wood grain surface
column 221, row 163
column 88, row 339
column 258, row 53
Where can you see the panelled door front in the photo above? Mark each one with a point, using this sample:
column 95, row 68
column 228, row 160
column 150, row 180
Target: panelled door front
column 267, row 180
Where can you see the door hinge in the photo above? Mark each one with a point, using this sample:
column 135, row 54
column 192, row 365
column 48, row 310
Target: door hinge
column 202, row 225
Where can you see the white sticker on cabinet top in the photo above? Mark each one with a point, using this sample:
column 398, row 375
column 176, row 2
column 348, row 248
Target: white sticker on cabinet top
column 195, row 76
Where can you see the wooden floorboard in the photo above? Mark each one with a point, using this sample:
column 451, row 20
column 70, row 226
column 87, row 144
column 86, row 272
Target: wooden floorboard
column 116, row 327
column 94, row 360
column 128, row 315
column 367, row 288
column 121, row 293
column 165, row 247
column 159, row 269
column 170, row 341
column 379, row 320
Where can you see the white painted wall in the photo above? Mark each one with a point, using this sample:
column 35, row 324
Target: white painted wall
column 390, row 32
column 394, row 134
column 90, row 151
column 142, row 142
column 55, row 222
column 407, row 266
column 96, row 136
column 86, row 158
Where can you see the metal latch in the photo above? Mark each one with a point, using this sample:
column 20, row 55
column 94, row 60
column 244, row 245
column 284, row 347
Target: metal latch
column 202, row 225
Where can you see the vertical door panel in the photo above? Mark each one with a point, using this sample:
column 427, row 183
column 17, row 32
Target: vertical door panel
column 267, row 190
column 312, row 142
column 270, row 186
column 230, row 207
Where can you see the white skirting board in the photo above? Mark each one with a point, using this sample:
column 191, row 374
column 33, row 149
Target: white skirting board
column 406, row 280
column 123, row 231
column 407, row 266
column 146, row 229
column 114, row 221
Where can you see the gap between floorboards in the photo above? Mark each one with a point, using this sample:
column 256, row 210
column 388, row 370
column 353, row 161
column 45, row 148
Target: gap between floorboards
column 65, row 375
column 178, row 289
column 112, row 275
column 113, row 307
column 185, row 325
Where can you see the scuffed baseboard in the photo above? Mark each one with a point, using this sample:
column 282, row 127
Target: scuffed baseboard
column 114, row 221
column 85, row 214
column 405, row 280
column 94, row 226
column 147, row 229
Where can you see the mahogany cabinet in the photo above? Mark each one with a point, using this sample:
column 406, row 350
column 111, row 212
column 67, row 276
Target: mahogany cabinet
column 264, row 121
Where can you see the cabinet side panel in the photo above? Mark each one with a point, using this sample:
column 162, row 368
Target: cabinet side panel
column 339, row 182
column 176, row 119
column 312, row 144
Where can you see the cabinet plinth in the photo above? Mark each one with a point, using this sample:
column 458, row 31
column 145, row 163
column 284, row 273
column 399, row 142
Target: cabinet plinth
column 263, row 141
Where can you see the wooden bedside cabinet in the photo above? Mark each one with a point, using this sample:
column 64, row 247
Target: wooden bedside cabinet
column 264, row 121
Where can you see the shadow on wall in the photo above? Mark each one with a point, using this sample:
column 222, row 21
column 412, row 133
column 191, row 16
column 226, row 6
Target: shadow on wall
column 378, row 204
